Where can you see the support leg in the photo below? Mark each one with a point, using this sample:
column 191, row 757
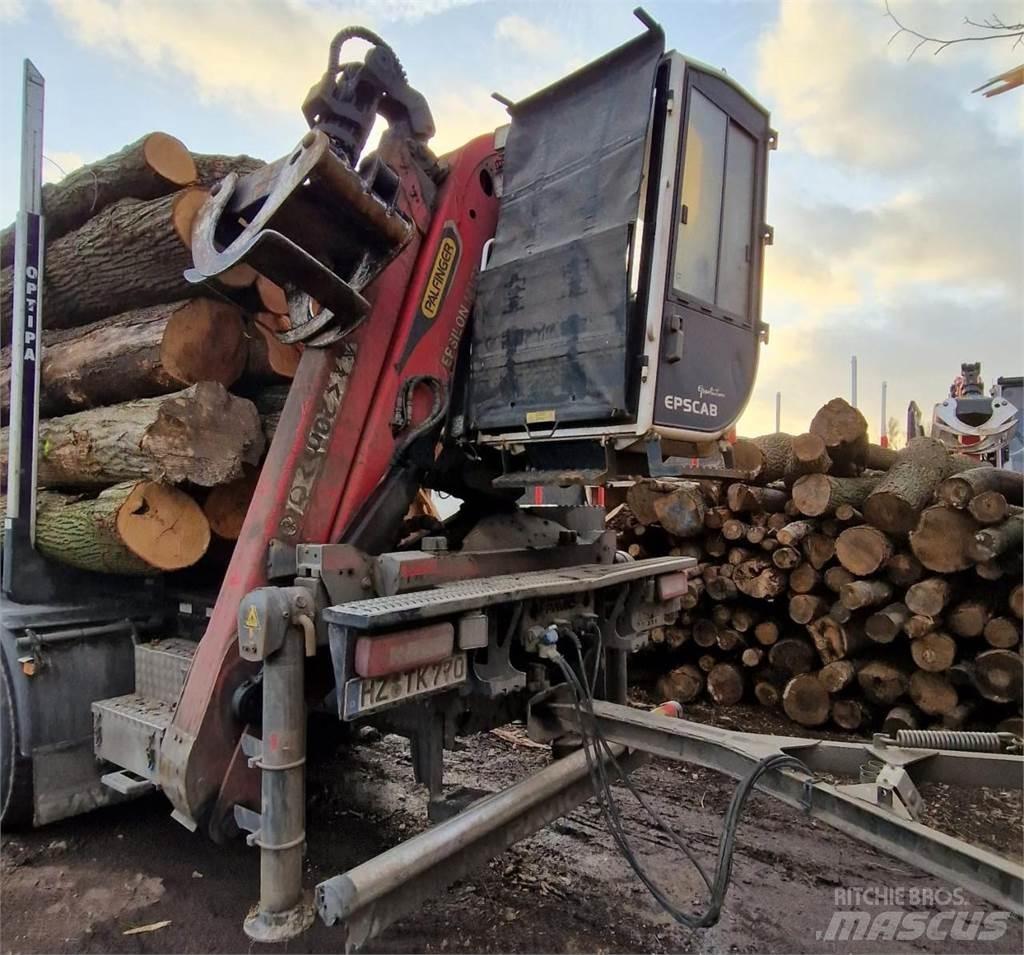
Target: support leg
column 283, row 911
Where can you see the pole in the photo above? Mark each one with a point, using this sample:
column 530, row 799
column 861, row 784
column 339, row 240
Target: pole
column 883, row 432
column 20, row 520
column 778, row 411
column 853, row 381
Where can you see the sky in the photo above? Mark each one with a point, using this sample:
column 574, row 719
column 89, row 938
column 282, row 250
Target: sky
column 897, row 195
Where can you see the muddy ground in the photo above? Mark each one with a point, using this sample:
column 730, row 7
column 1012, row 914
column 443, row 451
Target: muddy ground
column 78, row 886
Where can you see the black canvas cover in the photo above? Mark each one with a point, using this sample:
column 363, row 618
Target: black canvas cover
column 550, row 327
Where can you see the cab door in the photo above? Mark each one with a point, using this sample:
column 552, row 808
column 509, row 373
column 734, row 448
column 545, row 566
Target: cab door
column 711, row 319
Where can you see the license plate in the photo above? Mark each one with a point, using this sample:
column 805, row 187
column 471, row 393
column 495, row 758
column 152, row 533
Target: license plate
column 369, row 694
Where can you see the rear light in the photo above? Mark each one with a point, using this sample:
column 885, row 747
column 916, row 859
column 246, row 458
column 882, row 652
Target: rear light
column 404, row 650
column 671, row 586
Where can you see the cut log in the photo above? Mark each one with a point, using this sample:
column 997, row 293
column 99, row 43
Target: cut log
column 269, row 359
column 944, row 539
column 729, row 640
column 716, row 545
column 836, row 577
column 794, row 532
column 818, row 494
column 803, row 579
column 883, row 626
column 743, row 498
column 705, row 633
column 990, row 542
column 1002, row 632
column 837, row 675
column 847, row 514
column 998, row 675
column 683, row 684
column 863, row 550
column 752, row 657
column 135, row 528
column 904, row 569
column 851, row 714
column 839, row 613
column 1016, row 601
column 132, row 255
column 957, row 718
column 988, row 507
column 722, row 588
column 734, row 529
column 202, row 434
column 934, row 652
column 932, row 693
column 819, row 549
column 865, row 593
column 226, row 505
column 151, row 167
column 918, row 625
column 707, row 662
column 836, row 641
column 877, row 458
column 786, row 558
column 803, row 608
column 810, row 456
column 675, row 637
column 1012, row 724
column 768, row 686
column 968, row 619
column 791, row 656
column 743, row 619
column 715, row 517
column 900, row 718
column 959, row 489
column 883, row 681
column 691, row 598
column 909, row 485
column 845, row 433
column 682, row 511
column 758, row 578
column 211, row 168
column 725, row 684
column 139, row 354
column 929, row 597
column 805, row 700
column 756, row 534
column 779, row 463
column 766, row 633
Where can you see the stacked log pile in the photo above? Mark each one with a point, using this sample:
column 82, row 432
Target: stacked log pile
column 151, row 432
column 842, row 581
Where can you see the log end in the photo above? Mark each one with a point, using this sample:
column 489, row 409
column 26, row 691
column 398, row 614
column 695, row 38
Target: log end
column 169, row 159
column 163, row 526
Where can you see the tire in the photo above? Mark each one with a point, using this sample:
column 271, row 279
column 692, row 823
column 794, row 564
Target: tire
column 16, row 802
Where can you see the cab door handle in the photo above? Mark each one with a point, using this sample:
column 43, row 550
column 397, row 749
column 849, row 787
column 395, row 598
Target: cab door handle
column 672, row 349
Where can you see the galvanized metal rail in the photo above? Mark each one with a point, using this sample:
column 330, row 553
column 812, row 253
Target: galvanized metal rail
column 371, row 896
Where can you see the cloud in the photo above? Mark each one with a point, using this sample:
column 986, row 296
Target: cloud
column 464, row 115
column 11, row 10
column 528, row 36
column 56, row 165
column 249, row 54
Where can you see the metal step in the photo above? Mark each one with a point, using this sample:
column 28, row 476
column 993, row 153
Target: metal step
column 161, row 667
column 127, row 731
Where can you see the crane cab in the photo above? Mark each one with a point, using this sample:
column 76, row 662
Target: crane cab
column 618, row 319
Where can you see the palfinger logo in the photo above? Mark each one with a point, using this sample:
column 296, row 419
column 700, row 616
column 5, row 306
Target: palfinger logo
column 894, row 925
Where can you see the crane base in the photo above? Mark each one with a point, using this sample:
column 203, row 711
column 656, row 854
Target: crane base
column 279, row 926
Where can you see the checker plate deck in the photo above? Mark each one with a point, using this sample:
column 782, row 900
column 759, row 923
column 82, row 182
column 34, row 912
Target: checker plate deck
column 466, row 595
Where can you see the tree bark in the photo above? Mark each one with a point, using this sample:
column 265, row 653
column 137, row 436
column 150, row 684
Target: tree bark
column 883, row 626
column 836, row 577
column 918, row 625
column 269, row 359
column 819, row 494
column 805, row 700
column 781, row 457
column 909, row 485
column 934, row 652
column 135, row 528
column 745, row 498
column 794, row 532
column 990, row 542
column 944, row 540
column 863, row 550
column 958, row 490
column 932, row 693
column 202, row 434
column 140, row 354
column 226, row 505
column 819, row 549
column 845, row 433
column 151, row 167
column 211, row 168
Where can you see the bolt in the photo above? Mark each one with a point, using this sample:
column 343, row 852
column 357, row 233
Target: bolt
column 308, row 139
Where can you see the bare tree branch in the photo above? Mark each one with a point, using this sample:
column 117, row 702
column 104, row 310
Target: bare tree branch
column 998, row 30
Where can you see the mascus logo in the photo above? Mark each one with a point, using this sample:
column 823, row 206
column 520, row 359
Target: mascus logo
column 445, row 261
